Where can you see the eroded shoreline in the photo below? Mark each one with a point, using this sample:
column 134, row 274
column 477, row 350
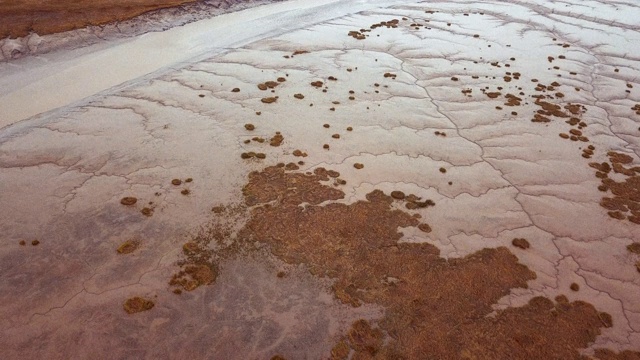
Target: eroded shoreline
column 67, row 29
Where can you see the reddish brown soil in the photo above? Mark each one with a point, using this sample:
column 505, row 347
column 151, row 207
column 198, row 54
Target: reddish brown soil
column 20, row 17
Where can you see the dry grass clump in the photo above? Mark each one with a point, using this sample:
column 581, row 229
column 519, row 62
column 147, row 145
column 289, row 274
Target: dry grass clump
column 137, row 304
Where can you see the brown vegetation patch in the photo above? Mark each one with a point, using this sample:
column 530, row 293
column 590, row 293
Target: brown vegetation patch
column 357, row 35
column 520, row 243
column 291, row 166
column 549, row 109
column 202, row 274
column 435, row 308
column 398, row 195
column 619, row 158
column 323, row 173
column 574, row 287
column 413, row 203
column 269, row 100
column 276, row 140
column 246, row 156
column 268, row 85
column 625, row 202
column 512, row 100
column 128, row 201
column 218, row 209
column 425, row 228
column 575, row 109
column 616, row 215
column 128, row 246
column 289, row 188
column 393, row 23
column 198, row 266
column 634, row 248
column 365, row 339
column 540, row 119
column 340, row 351
column 137, row 304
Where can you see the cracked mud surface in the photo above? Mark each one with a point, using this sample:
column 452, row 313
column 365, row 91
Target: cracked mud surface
column 448, row 180
column 434, row 308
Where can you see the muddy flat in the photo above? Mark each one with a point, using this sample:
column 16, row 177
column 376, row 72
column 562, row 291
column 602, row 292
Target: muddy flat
column 327, row 180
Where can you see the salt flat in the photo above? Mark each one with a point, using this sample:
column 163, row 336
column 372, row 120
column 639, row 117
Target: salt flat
column 352, row 179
